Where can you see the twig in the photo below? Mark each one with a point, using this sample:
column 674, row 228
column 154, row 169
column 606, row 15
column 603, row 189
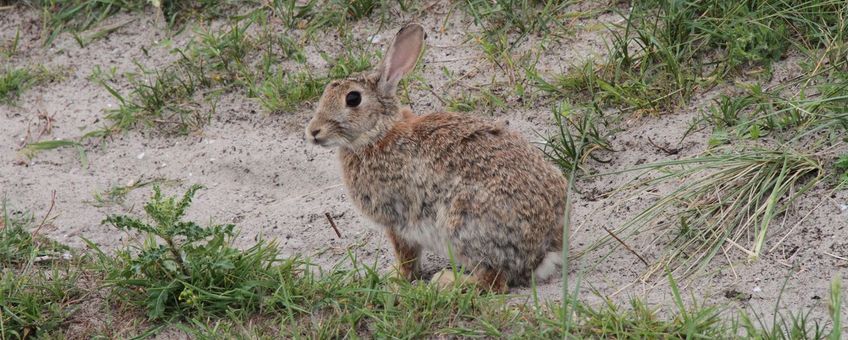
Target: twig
column 333, row 224
column 49, row 210
column 626, row 246
column 835, row 256
column 664, row 149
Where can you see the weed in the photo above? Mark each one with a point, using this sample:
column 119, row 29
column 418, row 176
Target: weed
column 758, row 113
column 182, row 269
column 34, row 302
column 577, row 140
column 162, row 98
column 834, row 307
column 9, row 49
column 841, row 166
column 463, row 103
column 117, row 194
column 14, row 81
column 523, row 16
column 80, row 15
column 294, row 13
column 32, row 149
column 18, row 246
column 282, row 92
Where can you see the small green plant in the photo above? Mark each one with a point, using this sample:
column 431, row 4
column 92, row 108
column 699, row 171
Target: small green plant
column 842, row 170
column 182, row 269
column 36, row 301
column 117, row 194
column 32, row 149
column 834, row 307
column 523, row 16
column 8, row 49
column 14, row 81
column 18, row 246
column 578, row 139
column 665, row 50
column 162, row 98
column 282, row 92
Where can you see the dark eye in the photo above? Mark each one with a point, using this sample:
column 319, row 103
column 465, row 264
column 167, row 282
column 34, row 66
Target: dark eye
column 353, row 99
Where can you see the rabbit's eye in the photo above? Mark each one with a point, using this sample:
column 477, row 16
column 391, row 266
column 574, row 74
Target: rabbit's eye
column 353, row 99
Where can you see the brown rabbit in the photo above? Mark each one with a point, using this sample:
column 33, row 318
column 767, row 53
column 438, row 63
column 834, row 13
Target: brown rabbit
column 457, row 185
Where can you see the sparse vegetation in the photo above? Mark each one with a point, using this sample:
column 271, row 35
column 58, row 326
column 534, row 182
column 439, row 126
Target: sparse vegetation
column 666, row 50
column 37, row 282
column 14, row 81
column 190, row 277
column 726, row 201
column 771, row 142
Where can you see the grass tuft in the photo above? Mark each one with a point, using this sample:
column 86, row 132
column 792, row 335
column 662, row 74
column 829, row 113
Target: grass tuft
column 722, row 202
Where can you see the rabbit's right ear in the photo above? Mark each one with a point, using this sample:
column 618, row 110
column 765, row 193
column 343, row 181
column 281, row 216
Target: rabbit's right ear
column 400, row 58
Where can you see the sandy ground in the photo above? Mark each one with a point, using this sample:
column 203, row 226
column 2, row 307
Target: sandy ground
column 261, row 175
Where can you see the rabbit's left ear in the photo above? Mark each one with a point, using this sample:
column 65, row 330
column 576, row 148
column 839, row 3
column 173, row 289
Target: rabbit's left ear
column 400, row 58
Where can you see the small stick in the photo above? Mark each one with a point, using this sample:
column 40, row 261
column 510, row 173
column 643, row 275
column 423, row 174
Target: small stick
column 626, row 246
column 835, row 256
column 333, row 224
column 49, row 210
column 664, row 149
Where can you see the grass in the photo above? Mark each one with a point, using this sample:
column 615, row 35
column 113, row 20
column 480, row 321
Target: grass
column 524, row 17
column 190, row 278
column 14, row 81
column 666, row 50
column 77, row 16
column 578, row 139
column 37, row 284
column 757, row 113
column 721, row 202
column 117, row 194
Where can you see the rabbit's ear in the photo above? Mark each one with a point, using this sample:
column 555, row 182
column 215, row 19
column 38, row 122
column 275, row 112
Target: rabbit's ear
column 400, row 58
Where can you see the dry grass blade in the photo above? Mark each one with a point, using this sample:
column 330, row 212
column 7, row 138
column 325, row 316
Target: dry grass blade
column 723, row 199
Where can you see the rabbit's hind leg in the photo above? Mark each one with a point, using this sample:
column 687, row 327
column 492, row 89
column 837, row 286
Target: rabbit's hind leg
column 407, row 255
column 484, row 279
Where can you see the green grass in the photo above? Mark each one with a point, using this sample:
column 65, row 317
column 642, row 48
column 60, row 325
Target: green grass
column 37, row 282
column 14, row 81
column 284, row 91
column 77, row 16
column 524, row 17
column 578, row 139
column 757, row 113
column 666, row 50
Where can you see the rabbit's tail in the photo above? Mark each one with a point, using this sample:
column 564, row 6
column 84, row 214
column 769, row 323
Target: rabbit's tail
column 549, row 265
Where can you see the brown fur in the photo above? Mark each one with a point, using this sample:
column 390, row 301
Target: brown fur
column 457, row 185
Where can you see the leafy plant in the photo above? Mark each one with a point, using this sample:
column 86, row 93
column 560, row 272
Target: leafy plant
column 181, row 268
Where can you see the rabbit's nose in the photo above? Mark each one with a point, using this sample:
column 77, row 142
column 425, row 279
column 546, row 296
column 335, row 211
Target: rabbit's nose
column 315, row 132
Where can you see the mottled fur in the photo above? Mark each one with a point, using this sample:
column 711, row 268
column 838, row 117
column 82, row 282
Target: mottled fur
column 457, row 185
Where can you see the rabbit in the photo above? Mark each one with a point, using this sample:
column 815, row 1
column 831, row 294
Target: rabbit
column 457, row 185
